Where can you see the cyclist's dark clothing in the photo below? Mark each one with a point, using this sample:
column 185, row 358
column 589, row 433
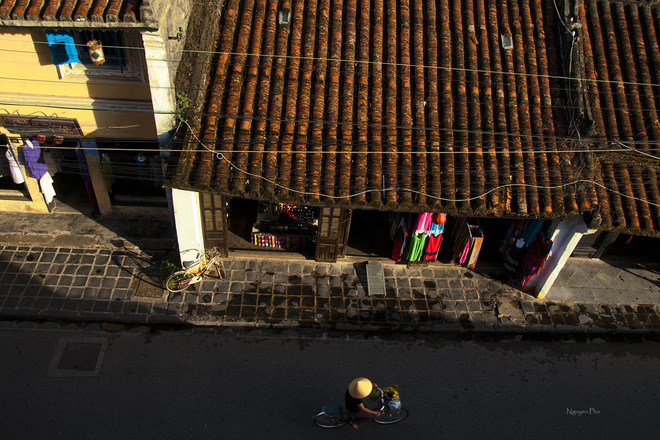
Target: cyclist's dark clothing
column 352, row 404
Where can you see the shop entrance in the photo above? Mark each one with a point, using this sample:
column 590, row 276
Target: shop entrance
column 277, row 227
column 369, row 235
column 133, row 172
column 72, row 193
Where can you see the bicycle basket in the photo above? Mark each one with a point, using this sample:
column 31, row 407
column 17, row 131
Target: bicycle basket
column 394, row 405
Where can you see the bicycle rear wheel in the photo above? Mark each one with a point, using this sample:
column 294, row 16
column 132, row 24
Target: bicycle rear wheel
column 389, row 417
column 179, row 281
column 325, row 420
column 220, row 267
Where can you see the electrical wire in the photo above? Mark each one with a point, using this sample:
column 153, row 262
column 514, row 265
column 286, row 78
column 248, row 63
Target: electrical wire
column 221, row 156
column 368, row 62
column 470, row 147
column 528, row 138
column 414, row 101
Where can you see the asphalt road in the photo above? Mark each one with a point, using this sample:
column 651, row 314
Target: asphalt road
column 222, row 386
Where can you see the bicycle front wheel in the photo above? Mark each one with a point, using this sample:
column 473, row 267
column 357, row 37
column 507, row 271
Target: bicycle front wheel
column 389, row 417
column 179, row 281
column 330, row 420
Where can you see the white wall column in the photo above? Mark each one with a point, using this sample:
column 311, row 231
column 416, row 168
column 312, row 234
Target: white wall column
column 566, row 236
column 188, row 223
column 163, row 97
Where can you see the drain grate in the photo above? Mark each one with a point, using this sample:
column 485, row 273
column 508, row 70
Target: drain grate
column 77, row 357
column 375, row 278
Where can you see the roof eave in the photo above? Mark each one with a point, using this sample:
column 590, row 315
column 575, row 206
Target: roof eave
column 83, row 24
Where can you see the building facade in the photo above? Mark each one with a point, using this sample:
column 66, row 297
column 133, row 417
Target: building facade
column 92, row 83
column 524, row 123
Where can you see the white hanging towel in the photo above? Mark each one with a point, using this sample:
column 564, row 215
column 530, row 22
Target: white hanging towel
column 46, row 184
column 14, row 170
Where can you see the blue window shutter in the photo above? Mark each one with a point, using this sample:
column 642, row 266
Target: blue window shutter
column 62, row 47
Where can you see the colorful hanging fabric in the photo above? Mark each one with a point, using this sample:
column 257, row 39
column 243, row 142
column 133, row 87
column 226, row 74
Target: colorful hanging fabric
column 539, row 251
column 437, row 229
column 415, row 248
column 432, row 247
column 423, row 222
column 34, row 160
column 400, row 239
column 476, row 240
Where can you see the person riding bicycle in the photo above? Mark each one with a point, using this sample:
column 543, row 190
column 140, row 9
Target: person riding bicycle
column 357, row 390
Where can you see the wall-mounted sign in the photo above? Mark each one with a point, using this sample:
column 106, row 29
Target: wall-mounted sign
column 40, row 125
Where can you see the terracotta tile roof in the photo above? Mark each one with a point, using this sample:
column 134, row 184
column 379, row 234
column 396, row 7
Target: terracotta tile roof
column 108, row 11
column 621, row 62
column 445, row 105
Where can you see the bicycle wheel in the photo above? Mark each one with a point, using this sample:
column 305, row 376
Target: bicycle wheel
column 220, row 267
column 179, row 281
column 389, row 417
column 325, row 420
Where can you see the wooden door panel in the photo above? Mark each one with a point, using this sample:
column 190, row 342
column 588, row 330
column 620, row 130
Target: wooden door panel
column 214, row 218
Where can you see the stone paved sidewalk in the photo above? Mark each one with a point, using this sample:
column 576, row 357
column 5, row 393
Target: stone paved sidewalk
column 109, row 285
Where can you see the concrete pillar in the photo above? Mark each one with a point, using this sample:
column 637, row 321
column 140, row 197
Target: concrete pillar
column 566, row 236
column 163, row 98
column 188, row 223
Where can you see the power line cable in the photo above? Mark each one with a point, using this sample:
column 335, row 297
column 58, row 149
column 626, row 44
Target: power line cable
column 381, row 63
column 221, row 156
column 383, row 126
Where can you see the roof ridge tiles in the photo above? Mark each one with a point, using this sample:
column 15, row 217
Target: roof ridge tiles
column 298, row 179
column 251, row 80
column 488, row 115
column 362, row 101
column 263, row 98
column 319, row 104
column 478, row 181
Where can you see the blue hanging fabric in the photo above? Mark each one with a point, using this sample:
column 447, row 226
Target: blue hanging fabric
column 62, row 47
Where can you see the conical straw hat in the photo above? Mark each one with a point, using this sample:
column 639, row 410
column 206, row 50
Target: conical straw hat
column 360, row 388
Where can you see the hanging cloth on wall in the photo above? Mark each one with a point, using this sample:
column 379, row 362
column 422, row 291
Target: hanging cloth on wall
column 516, row 244
column 34, row 159
column 14, row 169
column 467, row 243
column 434, row 240
column 437, row 229
column 415, row 247
column 46, row 185
column 432, row 247
column 539, row 251
column 400, row 239
column 476, row 240
column 423, row 223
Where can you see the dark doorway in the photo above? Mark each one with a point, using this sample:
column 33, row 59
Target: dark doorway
column 370, row 234
column 242, row 215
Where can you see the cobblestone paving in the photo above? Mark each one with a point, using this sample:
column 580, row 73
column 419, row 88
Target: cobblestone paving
column 98, row 285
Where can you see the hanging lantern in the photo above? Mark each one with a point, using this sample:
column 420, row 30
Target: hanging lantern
column 57, row 140
column 95, row 50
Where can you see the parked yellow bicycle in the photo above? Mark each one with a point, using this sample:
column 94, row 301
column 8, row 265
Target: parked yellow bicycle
column 181, row 280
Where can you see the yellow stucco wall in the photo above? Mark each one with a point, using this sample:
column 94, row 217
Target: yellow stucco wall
column 30, row 84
